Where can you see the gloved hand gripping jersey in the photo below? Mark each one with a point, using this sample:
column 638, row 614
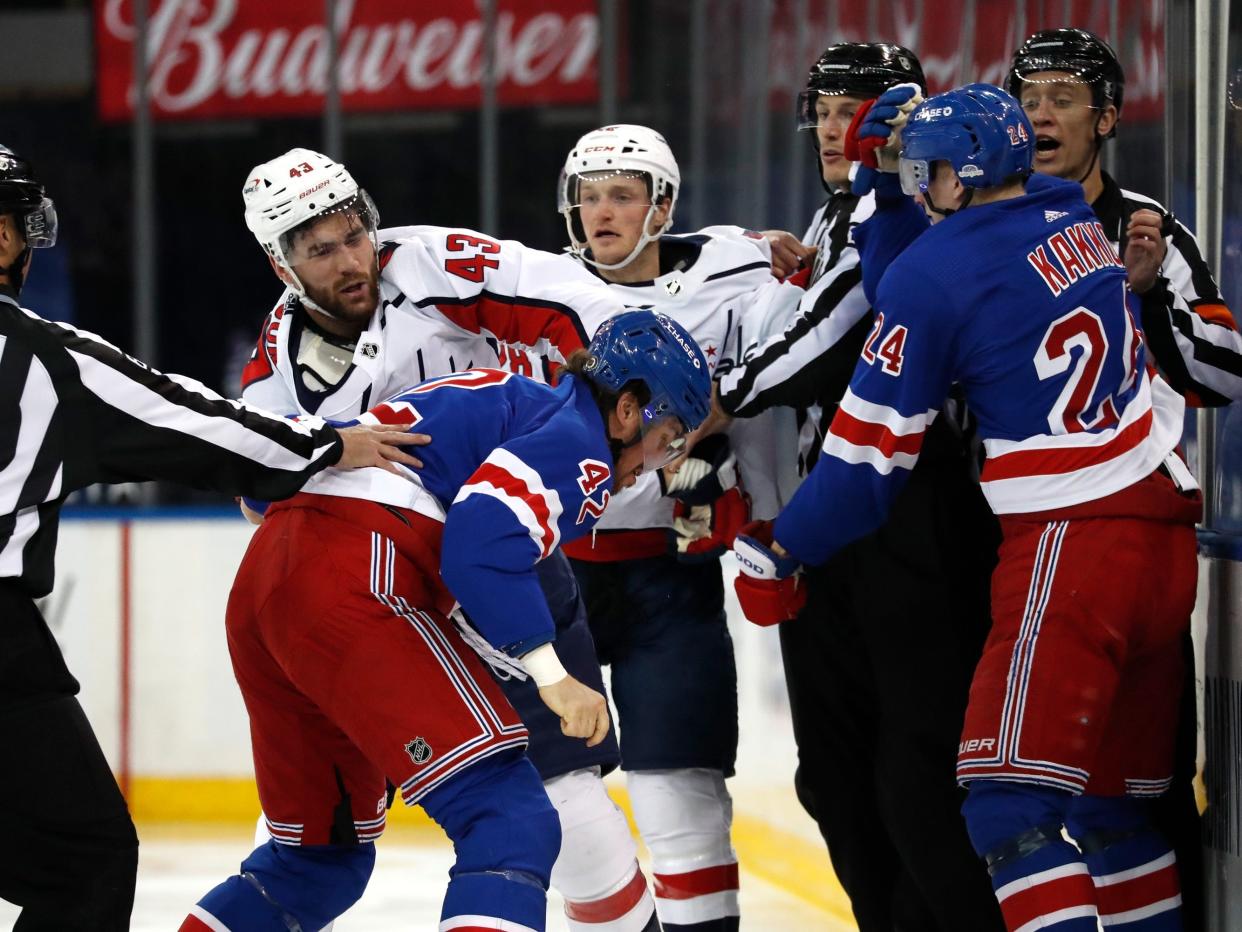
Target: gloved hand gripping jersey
column 769, row 587
column 711, row 503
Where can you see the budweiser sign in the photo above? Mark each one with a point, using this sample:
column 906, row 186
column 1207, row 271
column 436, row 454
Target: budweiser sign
column 958, row 41
column 221, row 58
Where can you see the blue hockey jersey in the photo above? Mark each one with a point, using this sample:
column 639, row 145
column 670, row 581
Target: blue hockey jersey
column 515, row 469
column 1023, row 303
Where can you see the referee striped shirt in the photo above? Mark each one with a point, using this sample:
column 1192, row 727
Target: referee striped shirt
column 1191, row 333
column 75, row 410
column 808, row 366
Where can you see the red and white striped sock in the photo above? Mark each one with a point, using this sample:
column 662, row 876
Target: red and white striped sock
column 1145, row 898
column 701, row 899
column 1050, row 890
column 627, row 908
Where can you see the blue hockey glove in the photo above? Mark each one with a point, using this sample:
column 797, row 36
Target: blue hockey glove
column 874, row 135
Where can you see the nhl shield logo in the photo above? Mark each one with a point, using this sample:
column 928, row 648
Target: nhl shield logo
column 369, row 350
column 673, row 286
column 419, row 751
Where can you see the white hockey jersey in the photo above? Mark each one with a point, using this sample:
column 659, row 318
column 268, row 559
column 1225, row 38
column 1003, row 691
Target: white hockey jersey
column 718, row 284
column 449, row 300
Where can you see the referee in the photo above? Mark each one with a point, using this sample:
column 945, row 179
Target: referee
column 75, row 410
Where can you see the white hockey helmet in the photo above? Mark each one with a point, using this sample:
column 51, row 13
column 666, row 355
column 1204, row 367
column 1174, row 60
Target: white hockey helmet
column 624, row 149
column 302, row 185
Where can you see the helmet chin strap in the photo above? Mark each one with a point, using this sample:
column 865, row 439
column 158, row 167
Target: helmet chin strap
column 580, row 249
column 1099, row 144
column 305, row 298
column 947, row 211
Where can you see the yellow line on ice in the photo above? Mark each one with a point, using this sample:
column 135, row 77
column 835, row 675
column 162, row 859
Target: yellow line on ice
column 791, row 863
column 786, row 861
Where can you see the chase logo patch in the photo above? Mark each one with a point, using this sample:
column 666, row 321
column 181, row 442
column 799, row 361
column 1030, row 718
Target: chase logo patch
column 419, row 751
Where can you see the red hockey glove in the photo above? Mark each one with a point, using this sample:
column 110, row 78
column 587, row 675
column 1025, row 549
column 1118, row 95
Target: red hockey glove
column 862, row 148
column 704, row 532
column 769, row 587
column 874, row 135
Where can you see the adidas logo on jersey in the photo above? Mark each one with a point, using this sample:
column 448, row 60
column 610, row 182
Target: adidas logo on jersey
column 1051, row 215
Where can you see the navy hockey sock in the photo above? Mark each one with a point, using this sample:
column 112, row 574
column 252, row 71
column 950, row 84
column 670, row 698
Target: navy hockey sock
column 1134, row 869
column 506, row 835
column 286, row 888
column 1040, row 879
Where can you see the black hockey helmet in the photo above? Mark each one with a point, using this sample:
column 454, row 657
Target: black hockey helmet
column 861, row 69
column 1076, row 52
column 22, row 195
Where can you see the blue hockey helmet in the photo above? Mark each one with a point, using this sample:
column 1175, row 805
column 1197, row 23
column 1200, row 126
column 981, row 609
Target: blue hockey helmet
column 978, row 129
column 659, row 352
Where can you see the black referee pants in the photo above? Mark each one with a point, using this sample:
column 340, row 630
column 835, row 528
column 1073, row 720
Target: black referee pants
column 68, row 849
column 878, row 668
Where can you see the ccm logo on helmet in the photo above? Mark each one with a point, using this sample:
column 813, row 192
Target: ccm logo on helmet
column 599, row 149
column 933, row 112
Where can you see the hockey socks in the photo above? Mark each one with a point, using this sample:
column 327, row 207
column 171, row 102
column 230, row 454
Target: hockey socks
column 703, row 900
column 627, row 908
column 685, row 817
column 505, row 900
column 506, row 836
column 1039, row 878
column 1049, row 889
column 596, row 871
column 286, row 888
column 1134, row 870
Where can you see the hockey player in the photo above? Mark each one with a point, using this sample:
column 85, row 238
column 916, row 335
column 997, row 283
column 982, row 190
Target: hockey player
column 879, row 682
column 357, row 323
column 355, row 674
column 1072, row 87
column 1019, row 298
column 657, row 612
column 76, row 411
